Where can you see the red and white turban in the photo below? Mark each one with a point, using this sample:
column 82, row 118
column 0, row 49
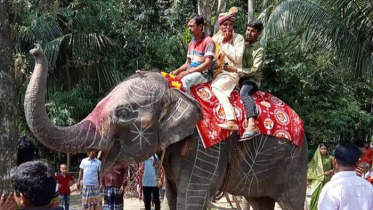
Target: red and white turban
column 231, row 15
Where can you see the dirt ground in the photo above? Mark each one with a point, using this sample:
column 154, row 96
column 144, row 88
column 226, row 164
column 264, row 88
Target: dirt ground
column 135, row 204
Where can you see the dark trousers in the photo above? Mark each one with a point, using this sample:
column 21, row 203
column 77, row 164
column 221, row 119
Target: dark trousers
column 247, row 89
column 65, row 201
column 148, row 191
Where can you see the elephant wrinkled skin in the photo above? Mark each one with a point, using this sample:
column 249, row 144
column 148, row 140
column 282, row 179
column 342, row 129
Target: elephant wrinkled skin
column 143, row 114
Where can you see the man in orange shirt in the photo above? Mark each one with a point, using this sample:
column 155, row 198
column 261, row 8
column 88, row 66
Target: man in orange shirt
column 367, row 156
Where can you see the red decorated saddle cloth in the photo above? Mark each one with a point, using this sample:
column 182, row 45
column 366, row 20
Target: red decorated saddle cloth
column 275, row 118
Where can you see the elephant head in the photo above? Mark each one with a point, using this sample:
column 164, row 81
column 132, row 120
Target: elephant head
column 136, row 119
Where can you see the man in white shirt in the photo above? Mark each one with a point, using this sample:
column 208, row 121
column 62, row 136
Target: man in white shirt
column 90, row 173
column 346, row 191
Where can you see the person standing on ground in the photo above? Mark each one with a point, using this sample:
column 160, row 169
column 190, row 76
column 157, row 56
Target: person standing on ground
column 320, row 171
column 367, row 156
column 346, row 191
column 90, row 174
column 63, row 179
column 151, row 172
column 113, row 185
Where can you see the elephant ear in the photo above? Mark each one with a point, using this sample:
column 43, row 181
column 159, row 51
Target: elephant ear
column 179, row 117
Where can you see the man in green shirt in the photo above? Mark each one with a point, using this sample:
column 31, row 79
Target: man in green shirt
column 251, row 75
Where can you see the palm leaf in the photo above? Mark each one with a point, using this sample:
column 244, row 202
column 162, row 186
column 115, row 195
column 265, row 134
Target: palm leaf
column 92, row 42
column 52, row 49
column 43, row 28
column 323, row 28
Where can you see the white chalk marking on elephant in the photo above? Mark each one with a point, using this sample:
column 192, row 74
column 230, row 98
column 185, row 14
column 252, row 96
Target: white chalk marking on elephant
column 201, row 154
column 123, row 104
column 202, row 177
column 141, row 134
column 294, row 157
column 216, row 167
column 208, row 155
column 251, row 175
column 76, row 136
column 248, row 152
column 199, row 168
column 86, row 136
column 199, row 184
column 195, row 196
column 180, row 108
column 251, row 166
column 96, row 131
column 151, row 89
column 206, row 161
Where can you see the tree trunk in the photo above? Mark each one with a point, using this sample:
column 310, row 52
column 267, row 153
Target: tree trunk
column 250, row 10
column 8, row 100
column 222, row 6
column 68, row 161
column 204, row 9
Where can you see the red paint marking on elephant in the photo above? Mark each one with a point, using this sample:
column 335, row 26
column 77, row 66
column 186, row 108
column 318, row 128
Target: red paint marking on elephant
column 99, row 117
column 275, row 117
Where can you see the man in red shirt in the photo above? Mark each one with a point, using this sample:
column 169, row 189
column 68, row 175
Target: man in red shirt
column 367, row 155
column 113, row 184
column 63, row 180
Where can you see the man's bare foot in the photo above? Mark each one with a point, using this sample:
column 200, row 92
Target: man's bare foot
column 229, row 125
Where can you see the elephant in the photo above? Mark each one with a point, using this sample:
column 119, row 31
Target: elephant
column 143, row 115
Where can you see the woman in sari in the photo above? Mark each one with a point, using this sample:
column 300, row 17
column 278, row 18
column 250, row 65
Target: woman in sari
column 320, row 171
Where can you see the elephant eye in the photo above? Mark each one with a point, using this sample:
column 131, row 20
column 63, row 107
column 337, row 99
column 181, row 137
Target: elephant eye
column 122, row 112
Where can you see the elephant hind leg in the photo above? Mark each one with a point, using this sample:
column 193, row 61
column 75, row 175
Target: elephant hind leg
column 260, row 203
column 291, row 203
column 293, row 197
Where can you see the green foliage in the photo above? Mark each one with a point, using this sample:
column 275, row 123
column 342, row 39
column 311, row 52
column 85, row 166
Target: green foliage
column 339, row 25
column 93, row 45
column 66, row 108
column 332, row 105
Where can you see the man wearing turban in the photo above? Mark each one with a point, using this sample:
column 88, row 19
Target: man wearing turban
column 229, row 52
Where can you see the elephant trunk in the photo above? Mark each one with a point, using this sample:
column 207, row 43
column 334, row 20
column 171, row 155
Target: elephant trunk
column 78, row 138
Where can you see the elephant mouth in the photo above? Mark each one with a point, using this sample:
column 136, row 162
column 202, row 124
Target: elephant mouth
column 113, row 156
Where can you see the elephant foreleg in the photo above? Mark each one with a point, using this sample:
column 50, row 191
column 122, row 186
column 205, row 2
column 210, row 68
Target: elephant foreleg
column 197, row 190
column 170, row 198
column 262, row 203
column 198, row 200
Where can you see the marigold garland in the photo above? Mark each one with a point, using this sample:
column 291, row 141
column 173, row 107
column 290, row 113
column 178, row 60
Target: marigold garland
column 174, row 81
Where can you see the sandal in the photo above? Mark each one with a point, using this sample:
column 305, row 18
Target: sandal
column 249, row 135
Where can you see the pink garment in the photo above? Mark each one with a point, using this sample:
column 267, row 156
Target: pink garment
column 226, row 16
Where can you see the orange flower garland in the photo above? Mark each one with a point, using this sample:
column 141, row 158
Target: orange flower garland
column 174, row 81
